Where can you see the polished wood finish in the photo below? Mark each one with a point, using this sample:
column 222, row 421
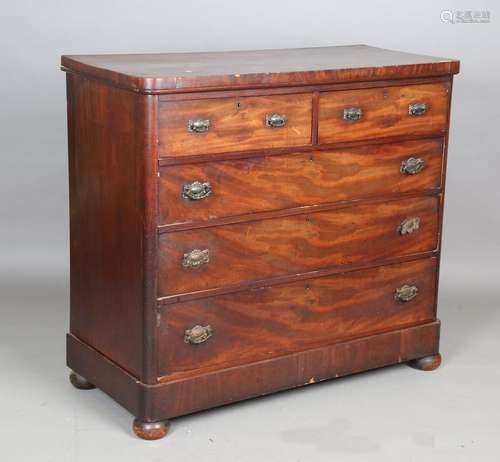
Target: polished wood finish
column 308, row 277
column 197, row 392
column 184, row 72
column 236, row 124
column 259, row 324
column 256, row 250
column 107, row 181
column 296, row 180
column 150, row 430
column 427, row 363
column 385, row 112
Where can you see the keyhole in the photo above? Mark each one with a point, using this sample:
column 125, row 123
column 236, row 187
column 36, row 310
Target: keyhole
column 238, row 104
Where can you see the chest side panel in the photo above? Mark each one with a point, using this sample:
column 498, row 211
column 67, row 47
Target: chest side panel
column 107, row 138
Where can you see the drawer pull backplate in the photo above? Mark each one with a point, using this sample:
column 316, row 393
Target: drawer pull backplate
column 196, row 190
column 276, row 120
column 409, row 225
column 198, row 125
column 195, row 258
column 352, row 114
column 405, row 293
column 417, row 109
column 197, row 334
column 412, row 166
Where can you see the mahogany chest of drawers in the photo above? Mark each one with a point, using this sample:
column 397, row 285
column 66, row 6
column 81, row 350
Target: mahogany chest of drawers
column 246, row 222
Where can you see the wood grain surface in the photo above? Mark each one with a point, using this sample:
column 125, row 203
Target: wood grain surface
column 184, row 72
column 236, row 124
column 175, row 395
column 259, row 324
column 302, row 226
column 298, row 179
column 262, row 249
column 108, row 182
column 384, row 112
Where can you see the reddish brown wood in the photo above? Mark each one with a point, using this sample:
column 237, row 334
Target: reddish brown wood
column 302, row 225
column 108, row 376
column 289, row 278
column 385, row 112
column 109, row 219
column 195, row 392
column 261, row 324
column 182, row 72
column 199, row 159
column 297, row 180
column 274, row 247
column 427, row 363
column 150, row 430
column 236, row 123
column 299, row 89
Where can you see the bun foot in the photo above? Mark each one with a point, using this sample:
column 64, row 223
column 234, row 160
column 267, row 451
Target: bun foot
column 427, row 363
column 80, row 382
column 150, row 430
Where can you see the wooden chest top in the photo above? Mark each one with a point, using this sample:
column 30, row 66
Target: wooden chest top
column 174, row 72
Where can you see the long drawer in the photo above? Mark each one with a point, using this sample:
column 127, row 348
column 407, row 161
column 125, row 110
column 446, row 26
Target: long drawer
column 234, row 124
column 350, row 115
column 204, row 191
column 254, row 325
column 237, row 253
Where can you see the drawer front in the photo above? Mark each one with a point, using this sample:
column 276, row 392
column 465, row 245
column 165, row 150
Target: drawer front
column 376, row 112
column 197, row 192
column 230, row 254
column 254, row 325
column 234, row 124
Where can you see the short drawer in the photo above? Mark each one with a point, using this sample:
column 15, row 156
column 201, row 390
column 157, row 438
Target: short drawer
column 234, row 124
column 217, row 256
column 243, row 327
column 350, row 115
column 204, row 191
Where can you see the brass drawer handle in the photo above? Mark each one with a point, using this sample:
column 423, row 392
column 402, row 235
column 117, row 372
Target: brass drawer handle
column 196, row 190
column 276, row 120
column 412, row 166
column 195, row 258
column 417, row 109
column 197, row 334
column 409, row 225
column 405, row 293
column 352, row 114
column 198, row 125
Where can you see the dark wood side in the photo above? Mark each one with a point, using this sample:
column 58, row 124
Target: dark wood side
column 385, row 112
column 192, row 394
column 112, row 170
column 273, row 321
column 181, row 72
column 298, row 179
column 236, row 123
column 264, row 249
column 108, row 376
